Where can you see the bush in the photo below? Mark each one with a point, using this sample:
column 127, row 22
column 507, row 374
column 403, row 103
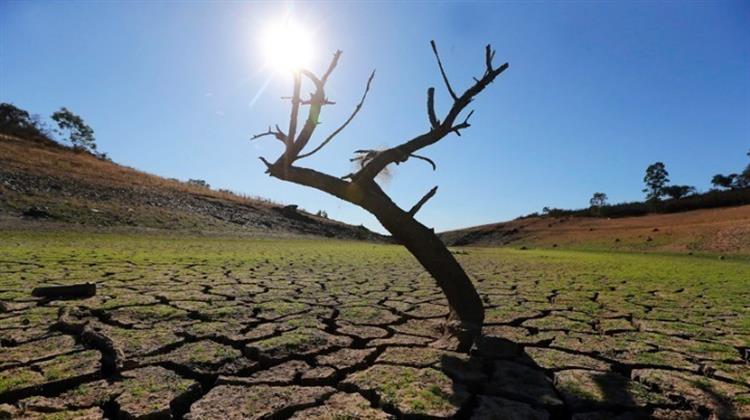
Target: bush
column 199, row 183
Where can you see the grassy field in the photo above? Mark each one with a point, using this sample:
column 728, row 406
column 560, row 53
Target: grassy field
column 206, row 327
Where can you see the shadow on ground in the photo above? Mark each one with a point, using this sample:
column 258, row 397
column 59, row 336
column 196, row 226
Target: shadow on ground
column 504, row 382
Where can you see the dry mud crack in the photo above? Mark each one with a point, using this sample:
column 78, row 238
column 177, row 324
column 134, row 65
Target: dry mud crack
column 324, row 332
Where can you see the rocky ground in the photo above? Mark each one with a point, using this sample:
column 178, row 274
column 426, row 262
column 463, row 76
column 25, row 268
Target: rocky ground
column 53, row 185
column 208, row 328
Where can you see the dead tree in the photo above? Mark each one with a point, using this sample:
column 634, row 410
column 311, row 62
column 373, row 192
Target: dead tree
column 360, row 188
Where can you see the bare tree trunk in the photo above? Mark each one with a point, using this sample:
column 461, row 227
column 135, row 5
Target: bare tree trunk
column 466, row 309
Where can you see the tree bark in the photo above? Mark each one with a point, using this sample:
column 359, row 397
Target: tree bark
column 466, row 316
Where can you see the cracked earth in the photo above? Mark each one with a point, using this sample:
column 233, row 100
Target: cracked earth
column 187, row 328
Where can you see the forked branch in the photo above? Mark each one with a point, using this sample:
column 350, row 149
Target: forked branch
column 439, row 130
column 465, row 124
column 278, row 134
column 348, row 120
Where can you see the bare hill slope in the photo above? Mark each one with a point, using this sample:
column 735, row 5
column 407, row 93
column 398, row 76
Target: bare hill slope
column 721, row 230
column 42, row 181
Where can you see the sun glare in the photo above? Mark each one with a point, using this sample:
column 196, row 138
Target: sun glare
column 286, row 45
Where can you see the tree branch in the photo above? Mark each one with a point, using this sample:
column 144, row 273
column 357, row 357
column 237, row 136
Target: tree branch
column 403, row 151
column 319, row 180
column 428, row 160
column 278, row 134
column 311, row 101
column 331, row 66
column 421, row 202
column 434, row 122
column 316, row 102
column 341, row 128
column 442, row 71
column 489, row 55
column 295, row 111
column 267, row 163
column 463, row 125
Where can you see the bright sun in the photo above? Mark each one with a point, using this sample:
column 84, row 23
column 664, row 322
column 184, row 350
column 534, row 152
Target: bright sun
column 286, row 45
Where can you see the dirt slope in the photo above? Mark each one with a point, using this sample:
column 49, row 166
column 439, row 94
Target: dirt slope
column 42, row 183
column 724, row 230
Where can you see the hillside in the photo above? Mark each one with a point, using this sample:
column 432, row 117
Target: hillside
column 44, row 183
column 722, row 230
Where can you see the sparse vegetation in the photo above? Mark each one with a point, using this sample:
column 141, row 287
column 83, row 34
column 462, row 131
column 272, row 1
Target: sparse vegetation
column 671, row 319
column 45, row 181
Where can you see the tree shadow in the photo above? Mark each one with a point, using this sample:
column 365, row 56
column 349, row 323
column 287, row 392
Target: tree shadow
column 506, row 383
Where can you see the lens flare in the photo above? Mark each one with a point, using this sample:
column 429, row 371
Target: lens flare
column 286, row 45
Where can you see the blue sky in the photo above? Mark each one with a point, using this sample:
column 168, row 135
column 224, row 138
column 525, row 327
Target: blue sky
column 596, row 91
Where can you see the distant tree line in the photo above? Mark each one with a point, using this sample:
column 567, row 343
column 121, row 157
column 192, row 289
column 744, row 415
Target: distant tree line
column 661, row 197
column 69, row 128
